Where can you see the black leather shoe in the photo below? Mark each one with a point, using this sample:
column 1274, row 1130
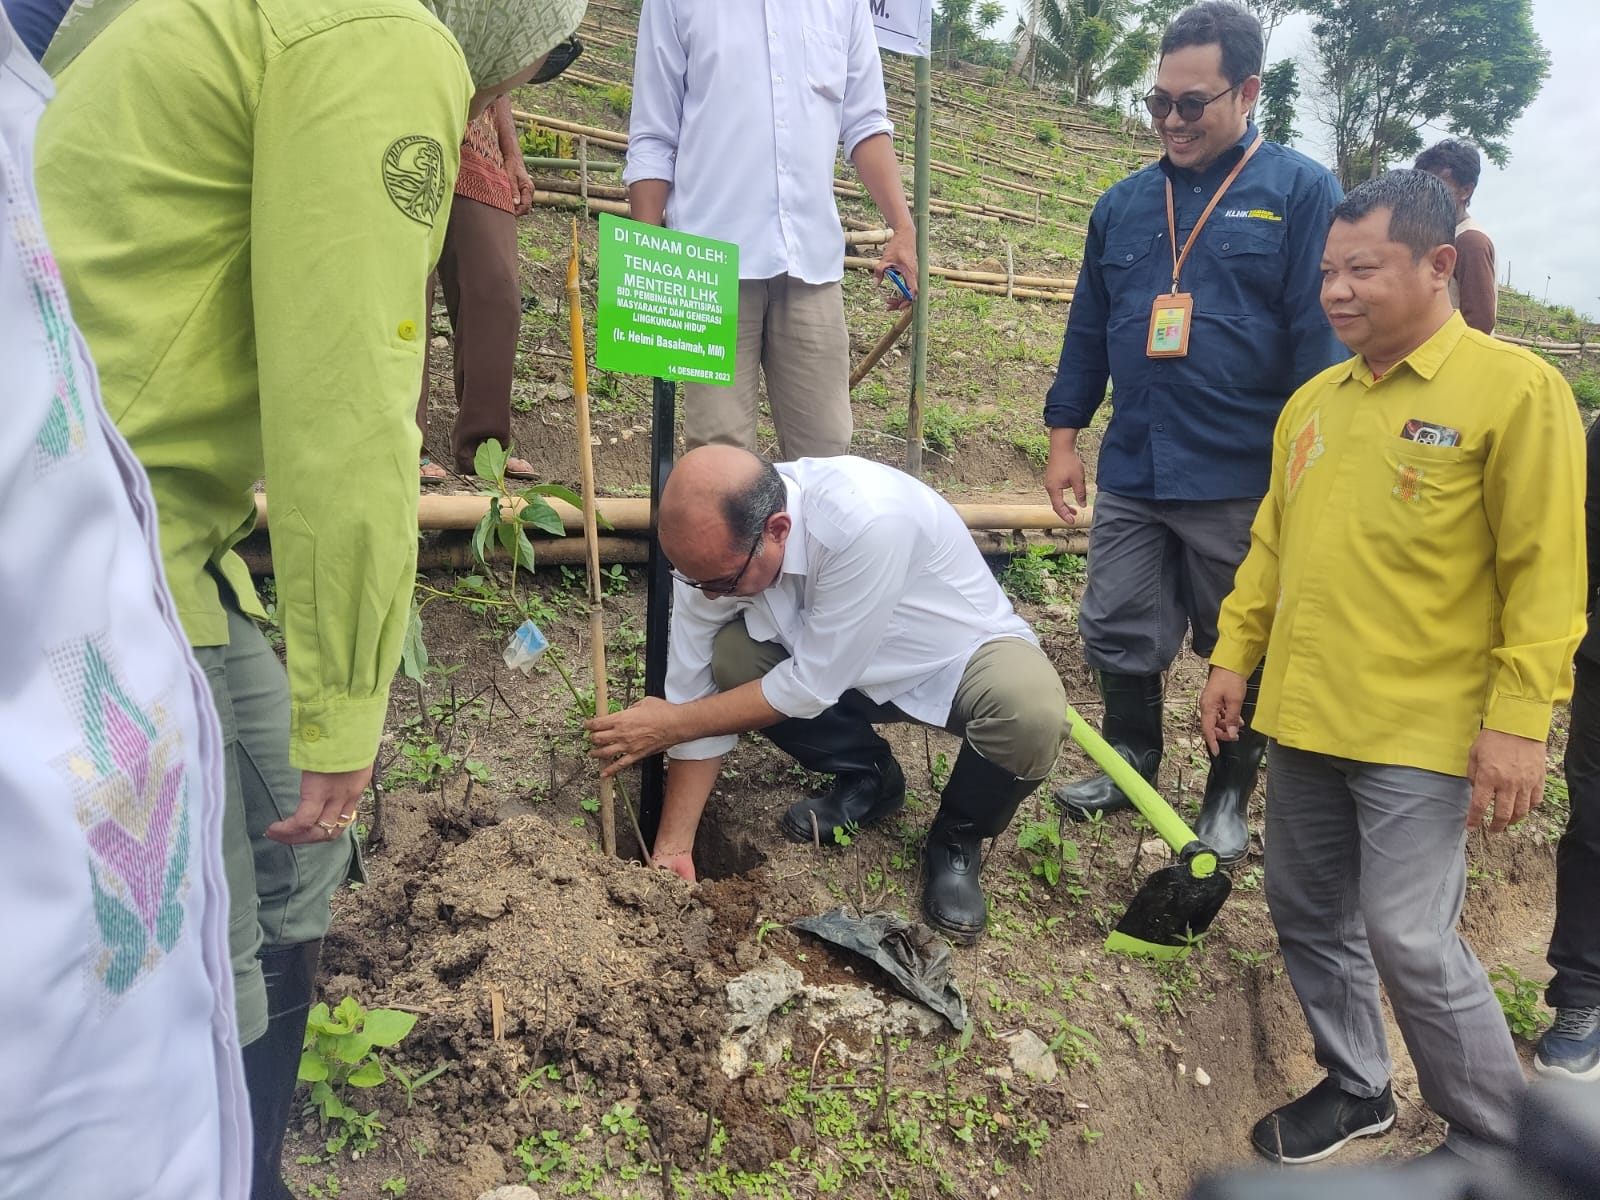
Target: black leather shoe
column 1132, row 725
column 978, row 802
column 1223, row 823
column 861, row 799
column 1313, row 1127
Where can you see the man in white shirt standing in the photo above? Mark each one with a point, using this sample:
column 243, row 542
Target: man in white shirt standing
column 813, row 599
column 122, row 1062
column 738, row 114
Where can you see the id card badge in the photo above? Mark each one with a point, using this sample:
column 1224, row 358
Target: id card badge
column 1169, row 325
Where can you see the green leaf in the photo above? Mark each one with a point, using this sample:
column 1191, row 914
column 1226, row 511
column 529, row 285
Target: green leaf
column 490, row 460
column 524, row 551
column 317, row 1021
column 346, row 1016
column 484, row 530
column 353, row 1047
column 386, row 1026
column 312, row 1068
column 542, row 516
column 507, row 532
column 414, row 651
column 369, row 1074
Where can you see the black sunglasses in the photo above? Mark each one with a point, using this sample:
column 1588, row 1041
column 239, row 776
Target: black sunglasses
column 1190, row 108
column 558, row 60
column 722, row 587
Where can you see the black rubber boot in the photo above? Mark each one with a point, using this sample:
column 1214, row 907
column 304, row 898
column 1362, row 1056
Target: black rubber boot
column 1223, row 823
column 272, row 1061
column 868, row 784
column 1133, row 727
column 978, row 802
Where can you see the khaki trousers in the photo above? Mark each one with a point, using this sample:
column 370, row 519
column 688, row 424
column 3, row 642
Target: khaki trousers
column 1010, row 705
column 793, row 333
column 277, row 895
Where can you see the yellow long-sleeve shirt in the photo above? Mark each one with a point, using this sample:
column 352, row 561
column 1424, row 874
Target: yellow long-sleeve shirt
column 245, row 197
column 1408, row 594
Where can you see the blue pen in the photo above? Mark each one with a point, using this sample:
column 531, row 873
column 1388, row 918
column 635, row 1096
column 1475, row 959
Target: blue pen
column 894, row 277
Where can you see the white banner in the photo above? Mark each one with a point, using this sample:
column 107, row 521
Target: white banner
column 904, row 26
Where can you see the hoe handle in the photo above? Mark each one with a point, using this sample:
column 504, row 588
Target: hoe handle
column 1172, row 828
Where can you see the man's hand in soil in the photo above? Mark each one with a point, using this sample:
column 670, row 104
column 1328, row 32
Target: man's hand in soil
column 1221, row 703
column 328, row 803
column 680, row 863
column 1507, row 776
column 623, row 738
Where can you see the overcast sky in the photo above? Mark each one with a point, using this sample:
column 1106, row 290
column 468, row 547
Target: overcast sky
column 1543, row 209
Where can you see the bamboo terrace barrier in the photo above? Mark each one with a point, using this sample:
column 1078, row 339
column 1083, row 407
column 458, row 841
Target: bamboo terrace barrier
column 1559, row 349
column 452, row 551
column 627, row 515
column 449, row 521
column 1028, row 287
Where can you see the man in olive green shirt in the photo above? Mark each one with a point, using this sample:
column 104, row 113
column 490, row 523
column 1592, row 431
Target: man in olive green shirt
column 246, row 197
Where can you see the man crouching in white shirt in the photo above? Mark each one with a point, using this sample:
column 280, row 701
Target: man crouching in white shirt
column 813, row 599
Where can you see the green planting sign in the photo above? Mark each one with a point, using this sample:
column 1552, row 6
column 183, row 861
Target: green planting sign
column 668, row 305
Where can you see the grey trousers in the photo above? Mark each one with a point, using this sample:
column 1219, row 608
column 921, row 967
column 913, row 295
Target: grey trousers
column 1365, row 876
column 277, row 895
column 1010, row 705
column 1158, row 569
column 794, row 333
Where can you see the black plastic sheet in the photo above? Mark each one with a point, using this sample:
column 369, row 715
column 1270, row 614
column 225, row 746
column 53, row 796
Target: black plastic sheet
column 916, row 959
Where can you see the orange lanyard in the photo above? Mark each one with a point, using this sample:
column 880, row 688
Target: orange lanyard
column 1178, row 256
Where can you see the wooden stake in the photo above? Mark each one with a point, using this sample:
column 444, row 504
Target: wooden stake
column 597, row 627
column 497, row 1012
column 882, row 348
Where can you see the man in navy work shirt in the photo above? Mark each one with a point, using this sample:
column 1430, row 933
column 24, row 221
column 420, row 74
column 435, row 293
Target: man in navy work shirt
column 1199, row 299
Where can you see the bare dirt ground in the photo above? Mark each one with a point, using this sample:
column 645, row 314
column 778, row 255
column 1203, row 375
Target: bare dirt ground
column 580, row 1006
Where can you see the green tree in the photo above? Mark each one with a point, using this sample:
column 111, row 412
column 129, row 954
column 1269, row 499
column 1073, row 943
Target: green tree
column 1280, row 88
column 1091, row 46
column 953, row 19
column 1384, row 68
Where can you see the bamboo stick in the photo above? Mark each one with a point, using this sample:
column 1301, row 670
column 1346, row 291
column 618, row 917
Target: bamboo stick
column 564, row 200
column 626, row 515
column 452, row 550
column 535, row 163
column 609, row 138
column 956, row 274
column 882, row 348
column 591, row 534
column 573, row 187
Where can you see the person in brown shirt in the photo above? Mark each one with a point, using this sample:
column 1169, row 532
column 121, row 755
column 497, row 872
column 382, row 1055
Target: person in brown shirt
column 1472, row 288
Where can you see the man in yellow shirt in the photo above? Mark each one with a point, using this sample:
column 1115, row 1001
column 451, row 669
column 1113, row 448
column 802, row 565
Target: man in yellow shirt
column 1415, row 581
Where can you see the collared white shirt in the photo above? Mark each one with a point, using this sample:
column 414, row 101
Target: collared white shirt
column 122, row 1072
column 882, row 590
column 742, row 107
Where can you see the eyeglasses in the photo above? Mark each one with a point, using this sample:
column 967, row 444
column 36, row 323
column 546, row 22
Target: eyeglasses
column 558, row 60
column 1190, row 108
column 722, row 587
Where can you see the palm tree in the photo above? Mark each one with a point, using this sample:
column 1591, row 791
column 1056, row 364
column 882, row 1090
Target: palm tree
column 1090, row 45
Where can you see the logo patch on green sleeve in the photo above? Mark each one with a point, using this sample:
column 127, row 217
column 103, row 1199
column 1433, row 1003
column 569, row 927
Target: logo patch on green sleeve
column 413, row 175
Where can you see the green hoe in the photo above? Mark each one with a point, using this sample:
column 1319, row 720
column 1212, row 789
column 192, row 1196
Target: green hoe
column 1177, row 903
